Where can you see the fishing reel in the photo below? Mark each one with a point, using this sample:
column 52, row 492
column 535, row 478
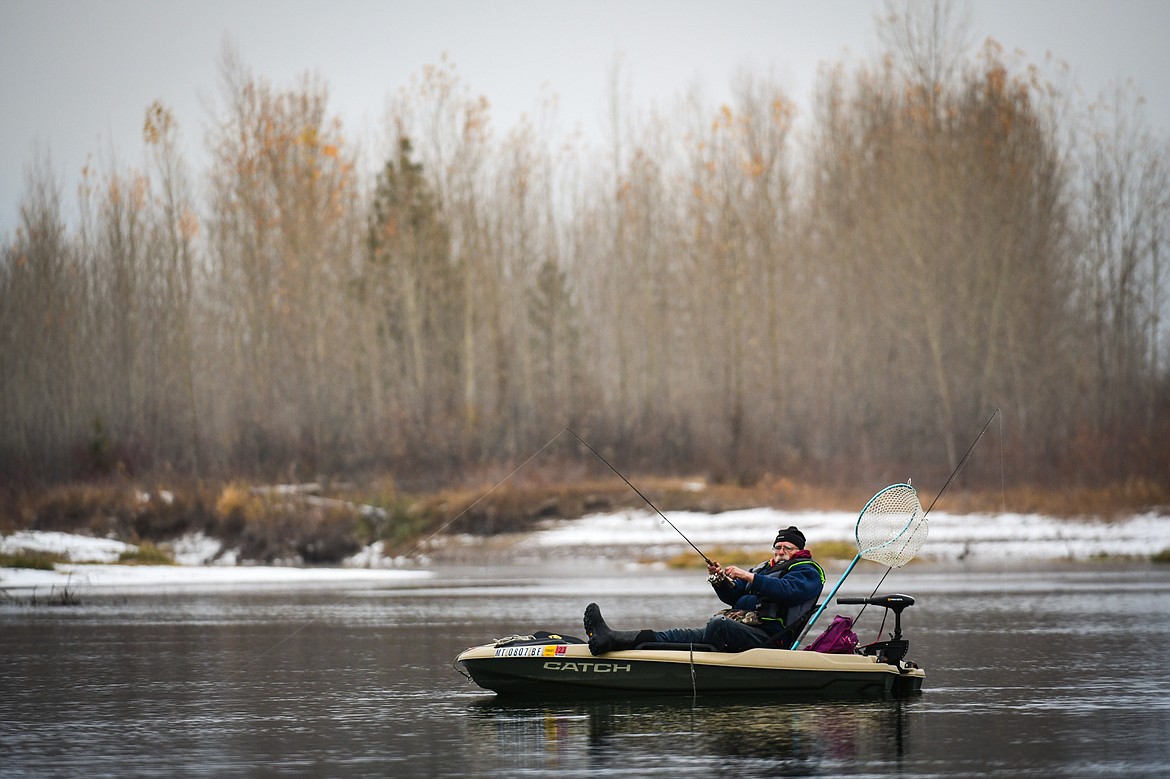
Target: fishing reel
column 717, row 576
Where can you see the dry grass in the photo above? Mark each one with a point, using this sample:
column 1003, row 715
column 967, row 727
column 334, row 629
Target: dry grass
column 146, row 554
column 1110, row 502
column 237, row 501
column 41, row 561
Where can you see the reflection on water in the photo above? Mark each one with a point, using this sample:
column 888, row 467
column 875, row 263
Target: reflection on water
column 1043, row 672
column 641, row 737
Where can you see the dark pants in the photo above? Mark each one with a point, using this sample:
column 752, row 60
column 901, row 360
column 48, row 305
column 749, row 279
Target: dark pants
column 724, row 634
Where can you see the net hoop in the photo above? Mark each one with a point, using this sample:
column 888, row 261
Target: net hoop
column 892, row 527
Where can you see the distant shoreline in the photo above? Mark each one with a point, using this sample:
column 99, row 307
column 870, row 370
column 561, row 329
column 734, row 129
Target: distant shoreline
column 630, row 539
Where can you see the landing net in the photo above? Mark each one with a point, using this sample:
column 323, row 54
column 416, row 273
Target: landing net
column 890, row 530
column 892, row 527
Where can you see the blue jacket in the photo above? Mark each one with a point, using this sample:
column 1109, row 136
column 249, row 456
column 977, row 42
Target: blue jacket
column 780, row 594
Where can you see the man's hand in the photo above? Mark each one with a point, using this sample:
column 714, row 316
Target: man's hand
column 735, row 572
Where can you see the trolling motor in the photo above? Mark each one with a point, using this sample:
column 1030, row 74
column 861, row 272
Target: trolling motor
column 895, row 649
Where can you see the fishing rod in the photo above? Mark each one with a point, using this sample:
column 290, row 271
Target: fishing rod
column 531, row 457
column 950, row 478
column 962, row 462
column 643, row 497
column 419, row 545
column 892, row 504
column 494, row 487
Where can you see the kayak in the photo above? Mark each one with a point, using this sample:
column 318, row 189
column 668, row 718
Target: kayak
column 546, row 664
column 540, row 666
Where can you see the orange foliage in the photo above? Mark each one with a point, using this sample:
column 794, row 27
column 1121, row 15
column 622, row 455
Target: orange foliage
column 159, row 123
column 754, row 167
column 188, row 224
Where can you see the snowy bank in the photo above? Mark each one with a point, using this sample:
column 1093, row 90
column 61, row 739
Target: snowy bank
column 186, row 577
column 201, row 564
column 632, row 535
column 988, row 537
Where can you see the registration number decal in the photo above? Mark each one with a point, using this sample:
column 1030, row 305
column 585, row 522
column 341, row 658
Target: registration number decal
column 548, row 650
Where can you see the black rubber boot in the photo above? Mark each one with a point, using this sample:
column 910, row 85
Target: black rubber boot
column 602, row 639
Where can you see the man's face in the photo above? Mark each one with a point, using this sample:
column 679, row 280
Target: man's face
column 783, row 550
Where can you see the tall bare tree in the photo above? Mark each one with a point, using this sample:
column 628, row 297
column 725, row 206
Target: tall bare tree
column 1126, row 204
column 41, row 332
column 285, row 248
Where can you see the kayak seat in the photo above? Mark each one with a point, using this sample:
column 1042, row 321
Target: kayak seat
column 785, row 638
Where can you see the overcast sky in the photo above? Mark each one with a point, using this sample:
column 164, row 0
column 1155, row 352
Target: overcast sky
column 76, row 76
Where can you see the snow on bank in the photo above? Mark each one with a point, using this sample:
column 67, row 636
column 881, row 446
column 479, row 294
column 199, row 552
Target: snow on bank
column 954, row 537
column 185, row 577
column 73, row 547
column 201, row 563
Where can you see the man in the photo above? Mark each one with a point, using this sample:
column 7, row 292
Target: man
column 766, row 601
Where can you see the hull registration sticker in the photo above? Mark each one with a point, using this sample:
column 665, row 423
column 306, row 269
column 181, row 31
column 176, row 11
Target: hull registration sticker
column 548, row 650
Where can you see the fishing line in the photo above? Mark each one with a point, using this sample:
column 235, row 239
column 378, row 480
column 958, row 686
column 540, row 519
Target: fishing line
column 496, row 486
column 694, row 683
column 1002, row 481
column 531, row 457
column 643, row 497
column 417, row 546
column 478, row 500
column 950, row 478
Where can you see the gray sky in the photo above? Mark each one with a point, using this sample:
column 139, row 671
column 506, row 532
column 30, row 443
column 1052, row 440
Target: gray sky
column 76, row 76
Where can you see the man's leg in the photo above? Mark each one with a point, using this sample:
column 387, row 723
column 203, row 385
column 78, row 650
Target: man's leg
column 681, row 636
column 728, row 635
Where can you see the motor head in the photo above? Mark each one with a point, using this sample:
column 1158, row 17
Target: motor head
column 895, row 602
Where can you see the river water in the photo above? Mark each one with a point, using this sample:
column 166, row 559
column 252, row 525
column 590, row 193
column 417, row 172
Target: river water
column 1039, row 671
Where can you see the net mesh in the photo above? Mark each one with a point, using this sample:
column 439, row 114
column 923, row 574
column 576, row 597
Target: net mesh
column 892, row 527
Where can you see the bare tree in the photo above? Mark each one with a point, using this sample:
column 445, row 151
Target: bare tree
column 284, row 249
column 40, row 318
column 675, row 295
column 1127, row 213
column 947, row 205
column 929, row 44
column 176, row 227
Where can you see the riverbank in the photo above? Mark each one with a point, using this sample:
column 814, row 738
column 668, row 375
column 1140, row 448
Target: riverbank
column 630, row 538
column 642, row 537
column 329, row 523
column 200, row 562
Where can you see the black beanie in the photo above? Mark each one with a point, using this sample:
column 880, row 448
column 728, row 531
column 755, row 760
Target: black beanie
column 791, row 535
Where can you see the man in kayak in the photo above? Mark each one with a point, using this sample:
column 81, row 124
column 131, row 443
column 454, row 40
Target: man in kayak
column 767, row 600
